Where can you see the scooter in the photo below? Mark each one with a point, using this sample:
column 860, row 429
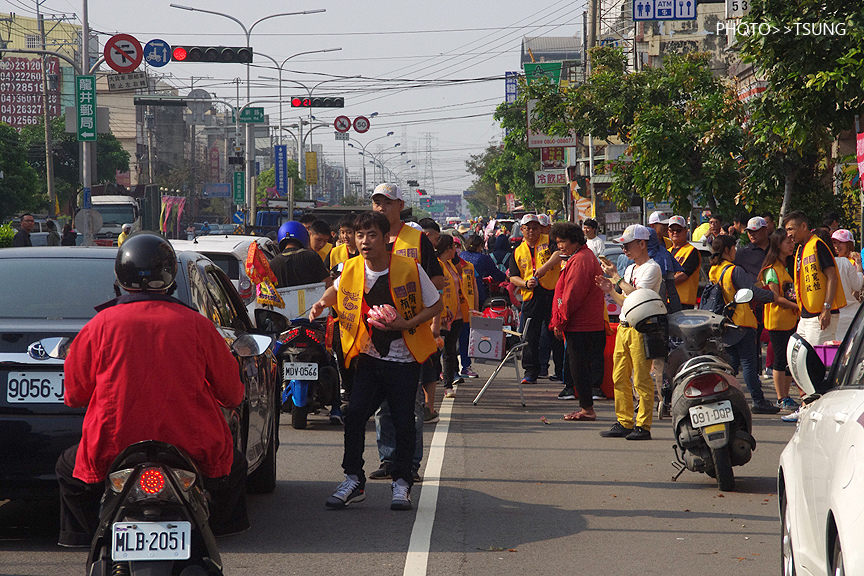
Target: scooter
column 310, row 375
column 711, row 418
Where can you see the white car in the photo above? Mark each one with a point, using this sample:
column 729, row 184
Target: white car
column 821, row 477
column 229, row 253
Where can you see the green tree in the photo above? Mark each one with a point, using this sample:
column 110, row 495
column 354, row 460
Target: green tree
column 485, row 201
column 19, row 183
column 267, row 179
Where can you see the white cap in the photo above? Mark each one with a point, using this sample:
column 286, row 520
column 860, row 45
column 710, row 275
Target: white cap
column 634, row 232
column 679, row 220
column 391, row 191
column 756, row 223
column 544, row 219
column 414, row 225
column 529, row 218
column 657, row 218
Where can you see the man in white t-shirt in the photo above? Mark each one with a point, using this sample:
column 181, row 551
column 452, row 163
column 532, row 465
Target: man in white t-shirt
column 629, row 356
column 594, row 242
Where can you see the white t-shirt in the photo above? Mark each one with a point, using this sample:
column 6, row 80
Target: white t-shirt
column 849, row 277
column 645, row 275
column 596, row 244
column 398, row 349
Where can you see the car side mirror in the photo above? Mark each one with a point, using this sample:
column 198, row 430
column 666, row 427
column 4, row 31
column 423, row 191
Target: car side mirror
column 56, row 347
column 249, row 345
column 807, row 369
column 743, row 296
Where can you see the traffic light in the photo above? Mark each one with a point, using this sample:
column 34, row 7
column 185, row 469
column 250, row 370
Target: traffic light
column 421, row 192
column 328, row 102
column 241, row 54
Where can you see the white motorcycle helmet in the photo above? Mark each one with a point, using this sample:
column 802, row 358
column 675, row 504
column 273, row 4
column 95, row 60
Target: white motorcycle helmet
column 642, row 304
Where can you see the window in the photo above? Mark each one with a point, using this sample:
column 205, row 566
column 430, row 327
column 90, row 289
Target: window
column 229, row 318
column 850, row 354
column 32, row 42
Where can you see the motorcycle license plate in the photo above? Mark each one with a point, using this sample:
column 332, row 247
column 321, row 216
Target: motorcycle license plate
column 34, row 387
column 300, row 371
column 151, row 540
column 707, row 414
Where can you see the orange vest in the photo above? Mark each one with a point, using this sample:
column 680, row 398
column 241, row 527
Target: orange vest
column 408, row 242
column 743, row 313
column 776, row 316
column 811, row 282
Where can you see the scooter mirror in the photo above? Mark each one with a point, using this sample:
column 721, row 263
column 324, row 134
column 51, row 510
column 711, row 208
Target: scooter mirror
column 56, row 347
column 807, row 369
column 249, row 345
column 743, row 296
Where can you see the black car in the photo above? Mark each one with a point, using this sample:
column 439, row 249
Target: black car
column 51, row 292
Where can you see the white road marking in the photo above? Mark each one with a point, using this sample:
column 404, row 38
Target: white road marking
column 421, row 534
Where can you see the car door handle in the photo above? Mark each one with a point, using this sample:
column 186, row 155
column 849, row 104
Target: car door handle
column 841, row 417
column 815, row 416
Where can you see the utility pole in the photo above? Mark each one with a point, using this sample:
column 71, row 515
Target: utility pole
column 49, row 148
column 87, row 150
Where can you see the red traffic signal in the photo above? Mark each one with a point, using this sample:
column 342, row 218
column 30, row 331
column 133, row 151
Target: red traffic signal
column 327, row 102
column 223, row 54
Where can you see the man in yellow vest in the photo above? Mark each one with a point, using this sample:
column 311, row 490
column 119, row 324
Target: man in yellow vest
column 817, row 285
column 687, row 282
column 389, row 359
column 319, row 239
column 536, row 288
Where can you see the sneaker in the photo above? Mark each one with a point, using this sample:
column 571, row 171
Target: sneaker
column 401, row 495
column 598, row 394
column 542, row 375
column 555, row 378
column 617, row 431
column 528, row 381
column 468, row 373
column 793, row 417
column 430, row 416
column 347, row 492
column 639, row 433
column 382, row 473
column 336, row 416
column 449, row 393
column 415, row 475
column 764, row 407
column 567, row 394
column 788, row 404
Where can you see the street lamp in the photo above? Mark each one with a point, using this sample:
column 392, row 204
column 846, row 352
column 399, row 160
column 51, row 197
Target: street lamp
column 363, row 153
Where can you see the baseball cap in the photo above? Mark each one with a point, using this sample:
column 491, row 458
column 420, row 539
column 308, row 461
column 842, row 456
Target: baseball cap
column 634, row 232
column 657, row 218
column 529, row 218
column 679, row 220
column 415, row 225
column 756, row 223
column 391, row 191
column 544, row 219
column 842, row 235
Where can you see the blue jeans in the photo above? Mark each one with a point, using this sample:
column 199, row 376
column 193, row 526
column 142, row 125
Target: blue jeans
column 385, row 432
column 746, row 354
column 464, row 334
column 374, row 382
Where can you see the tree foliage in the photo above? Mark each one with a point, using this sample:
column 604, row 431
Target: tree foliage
column 267, row 179
column 513, row 169
column 18, row 186
column 485, row 200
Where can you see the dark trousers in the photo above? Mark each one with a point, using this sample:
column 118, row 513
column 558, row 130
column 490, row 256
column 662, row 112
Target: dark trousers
column 449, row 356
column 550, row 347
column 79, row 501
column 375, row 381
column 539, row 310
column 586, row 363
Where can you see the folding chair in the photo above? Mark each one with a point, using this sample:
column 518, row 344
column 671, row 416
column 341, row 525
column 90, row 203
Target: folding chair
column 516, row 354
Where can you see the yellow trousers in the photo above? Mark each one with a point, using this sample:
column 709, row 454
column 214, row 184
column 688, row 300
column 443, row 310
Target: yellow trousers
column 629, row 360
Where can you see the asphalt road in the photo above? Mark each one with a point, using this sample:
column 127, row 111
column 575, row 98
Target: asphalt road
column 515, row 495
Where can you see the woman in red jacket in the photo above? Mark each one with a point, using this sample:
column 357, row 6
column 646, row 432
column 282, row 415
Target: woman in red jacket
column 577, row 315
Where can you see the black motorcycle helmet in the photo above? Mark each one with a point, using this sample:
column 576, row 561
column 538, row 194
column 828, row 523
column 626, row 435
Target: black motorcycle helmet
column 146, row 262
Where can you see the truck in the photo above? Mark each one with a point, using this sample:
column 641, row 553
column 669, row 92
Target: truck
column 141, row 209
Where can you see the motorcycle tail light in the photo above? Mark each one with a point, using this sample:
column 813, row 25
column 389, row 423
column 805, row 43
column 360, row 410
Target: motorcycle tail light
column 705, row 385
column 289, row 335
column 151, row 481
column 311, row 334
column 118, row 479
column 185, row 478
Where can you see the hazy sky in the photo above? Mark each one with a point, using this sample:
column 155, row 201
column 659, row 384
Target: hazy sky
column 416, row 59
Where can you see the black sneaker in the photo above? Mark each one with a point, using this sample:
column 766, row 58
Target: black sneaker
column 555, row 377
column 617, row 431
column 415, row 475
column 764, row 407
column 347, row 492
column 639, row 433
column 382, row 473
column 567, row 394
column 598, row 394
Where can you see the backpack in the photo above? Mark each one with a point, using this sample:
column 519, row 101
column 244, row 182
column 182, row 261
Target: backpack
column 712, row 297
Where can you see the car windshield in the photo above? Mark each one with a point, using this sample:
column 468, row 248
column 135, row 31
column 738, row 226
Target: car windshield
column 55, row 288
column 227, row 262
column 114, row 214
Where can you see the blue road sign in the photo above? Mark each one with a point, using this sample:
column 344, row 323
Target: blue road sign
column 238, row 217
column 157, row 53
column 664, row 9
column 280, row 169
column 217, row 190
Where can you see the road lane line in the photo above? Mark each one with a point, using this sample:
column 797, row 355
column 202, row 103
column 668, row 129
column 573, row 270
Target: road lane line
column 421, row 534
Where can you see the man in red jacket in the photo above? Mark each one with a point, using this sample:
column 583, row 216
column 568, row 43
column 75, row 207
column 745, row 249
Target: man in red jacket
column 577, row 315
column 148, row 367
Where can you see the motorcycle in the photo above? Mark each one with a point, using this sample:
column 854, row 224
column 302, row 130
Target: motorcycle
column 310, row 374
column 711, row 418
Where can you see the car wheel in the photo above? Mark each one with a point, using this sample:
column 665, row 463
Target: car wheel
column 837, row 568
column 263, row 479
column 723, row 469
column 787, row 555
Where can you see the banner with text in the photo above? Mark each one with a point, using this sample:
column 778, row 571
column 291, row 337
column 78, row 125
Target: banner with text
column 540, row 140
column 550, row 178
column 280, row 169
column 311, row 168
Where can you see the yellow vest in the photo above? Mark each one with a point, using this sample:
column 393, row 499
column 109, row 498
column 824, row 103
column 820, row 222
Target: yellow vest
column 407, row 297
column 338, row 255
column 324, row 251
column 469, row 285
column 527, row 265
column 777, row 317
column 811, row 282
column 668, row 243
column 408, row 242
column 451, row 293
column 743, row 313
column 688, row 289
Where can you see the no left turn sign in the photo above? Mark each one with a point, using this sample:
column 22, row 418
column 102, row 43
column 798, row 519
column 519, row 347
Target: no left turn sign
column 361, row 124
column 342, row 123
column 123, row 53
